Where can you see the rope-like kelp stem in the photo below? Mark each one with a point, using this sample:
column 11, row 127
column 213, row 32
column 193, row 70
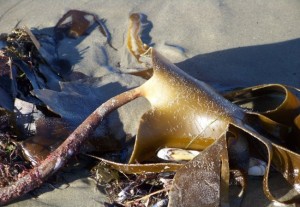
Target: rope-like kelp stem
column 71, row 146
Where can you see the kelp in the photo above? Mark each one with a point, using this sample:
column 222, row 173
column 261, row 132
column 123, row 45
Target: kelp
column 76, row 23
column 187, row 113
column 25, row 60
column 204, row 180
column 134, row 42
column 49, row 135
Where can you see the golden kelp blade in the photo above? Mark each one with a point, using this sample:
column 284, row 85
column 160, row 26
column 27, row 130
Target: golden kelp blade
column 134, row 42
column 189, row 114
column 186, row 112
column 274, row 110
column 77, row 24
column 146, row 74
column 140, row 168
column 282, row 159
column 274, row 101
column 204, row 180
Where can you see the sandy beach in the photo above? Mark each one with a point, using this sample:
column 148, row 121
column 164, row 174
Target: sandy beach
column 227, row 44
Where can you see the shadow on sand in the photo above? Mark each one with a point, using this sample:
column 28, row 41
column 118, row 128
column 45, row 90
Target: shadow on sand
column 247, row 66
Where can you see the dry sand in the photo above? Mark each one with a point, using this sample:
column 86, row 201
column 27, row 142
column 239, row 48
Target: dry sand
column 225, row 43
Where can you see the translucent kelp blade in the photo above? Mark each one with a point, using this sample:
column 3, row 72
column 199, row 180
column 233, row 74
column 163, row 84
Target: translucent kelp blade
column 74, row 23
column 141, row 168
column 274, row 109
column 186, row 113
column 204, row 180
column 272, row 100
column 50, row 133
column 134, row 42
column 146, row 74
column 285, row 161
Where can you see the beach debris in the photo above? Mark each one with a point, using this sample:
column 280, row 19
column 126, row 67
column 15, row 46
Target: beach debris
column 20, row 45
column 145, row 189
column 25, row 60
column 187, row 113
column 103, row 174
column 11, row 162
column 7, row 82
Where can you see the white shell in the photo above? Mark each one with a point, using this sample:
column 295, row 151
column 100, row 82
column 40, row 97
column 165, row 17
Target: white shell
column 176, row 154
column 256, row 167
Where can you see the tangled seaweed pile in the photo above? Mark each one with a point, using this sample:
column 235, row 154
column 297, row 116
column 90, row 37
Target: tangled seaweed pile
column 226, row 130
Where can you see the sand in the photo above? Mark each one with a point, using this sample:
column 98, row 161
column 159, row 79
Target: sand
column 225, row 43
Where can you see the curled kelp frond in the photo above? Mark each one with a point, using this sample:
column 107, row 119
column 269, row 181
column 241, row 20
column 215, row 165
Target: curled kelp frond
column 138, row 26
column 275, row 107
column 271, row 100
column 76, row 23
column 134, row 42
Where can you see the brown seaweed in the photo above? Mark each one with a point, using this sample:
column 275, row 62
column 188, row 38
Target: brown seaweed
column 80, row 24
column 188, row 186
column 187, row 113
column 134, row 43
